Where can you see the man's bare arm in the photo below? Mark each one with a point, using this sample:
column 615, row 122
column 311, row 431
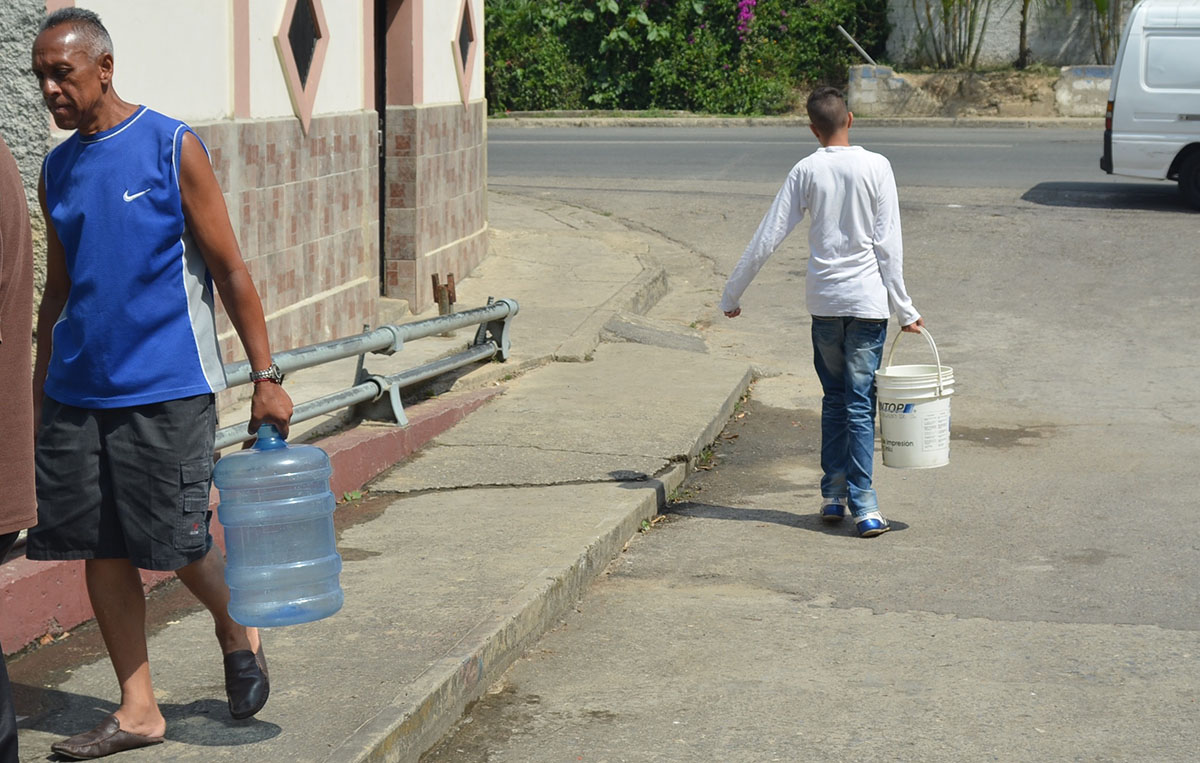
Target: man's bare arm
column 208, row 221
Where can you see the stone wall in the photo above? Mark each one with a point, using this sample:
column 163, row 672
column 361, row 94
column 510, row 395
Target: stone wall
column 24, row 121
column 436, row 217
column 1077, row 91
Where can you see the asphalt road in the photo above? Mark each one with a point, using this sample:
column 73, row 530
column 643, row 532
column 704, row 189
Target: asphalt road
column 965, row 158
column 1037, row 599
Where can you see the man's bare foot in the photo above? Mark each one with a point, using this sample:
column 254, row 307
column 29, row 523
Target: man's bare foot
column 147, row 722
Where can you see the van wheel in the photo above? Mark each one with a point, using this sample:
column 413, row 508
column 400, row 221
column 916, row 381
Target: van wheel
column 1189, row 180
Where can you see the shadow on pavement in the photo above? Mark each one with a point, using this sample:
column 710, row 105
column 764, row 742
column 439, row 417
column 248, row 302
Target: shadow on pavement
column 203, row 722
column 810, row 522
column 1157, row 197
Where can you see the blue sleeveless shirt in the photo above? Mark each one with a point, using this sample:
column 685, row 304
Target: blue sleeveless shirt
column 138, row 326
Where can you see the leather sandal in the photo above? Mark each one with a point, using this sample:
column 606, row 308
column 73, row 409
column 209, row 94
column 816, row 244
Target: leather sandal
column 247, row 683
column 105, row 739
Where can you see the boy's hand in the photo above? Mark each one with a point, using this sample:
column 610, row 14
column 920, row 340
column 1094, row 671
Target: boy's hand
column 914, row 327
column 735, row 312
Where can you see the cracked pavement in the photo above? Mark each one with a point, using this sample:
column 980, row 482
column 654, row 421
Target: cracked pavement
column 462, row 555
column 576, row 422
column 1037, row 599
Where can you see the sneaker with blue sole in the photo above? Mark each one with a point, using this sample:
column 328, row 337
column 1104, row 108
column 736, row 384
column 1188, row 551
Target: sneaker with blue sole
column 833, row 509
column 871, row 524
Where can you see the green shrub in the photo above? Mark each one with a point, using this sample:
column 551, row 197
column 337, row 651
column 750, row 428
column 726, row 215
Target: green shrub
column 527, row 67
column 706, row 76
column 720, row 56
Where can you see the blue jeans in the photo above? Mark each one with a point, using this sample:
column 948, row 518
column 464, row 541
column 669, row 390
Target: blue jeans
column 847, row 353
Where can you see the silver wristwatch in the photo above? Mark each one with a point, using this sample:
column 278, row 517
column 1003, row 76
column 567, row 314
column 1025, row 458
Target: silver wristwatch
column 271, row 373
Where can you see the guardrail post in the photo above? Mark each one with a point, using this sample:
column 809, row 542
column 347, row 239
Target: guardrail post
column 497, row 331
column 387, row 406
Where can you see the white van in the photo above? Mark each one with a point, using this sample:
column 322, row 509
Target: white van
column 1152, row 128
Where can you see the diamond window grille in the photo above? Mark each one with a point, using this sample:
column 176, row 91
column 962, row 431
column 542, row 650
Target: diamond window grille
column 302, row 37
column 464, row 48
column 465, row 37
column 301, row 43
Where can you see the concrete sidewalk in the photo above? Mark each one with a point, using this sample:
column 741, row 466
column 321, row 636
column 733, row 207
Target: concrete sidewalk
column 461, row 556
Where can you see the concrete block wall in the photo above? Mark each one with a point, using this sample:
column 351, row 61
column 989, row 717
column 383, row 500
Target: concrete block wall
column 879, row 91
column 436, row 217
column 1082, row 91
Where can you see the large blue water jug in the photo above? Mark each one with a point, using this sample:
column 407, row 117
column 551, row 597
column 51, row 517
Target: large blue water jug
column 282, row 563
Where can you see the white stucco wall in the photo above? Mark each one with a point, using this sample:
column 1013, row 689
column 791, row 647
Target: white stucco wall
column 341, row 85
column 440, row 80
column 175, row 57
column 268, row 88
column 1056, row 36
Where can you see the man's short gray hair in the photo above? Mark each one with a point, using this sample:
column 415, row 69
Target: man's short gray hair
column 86, row 23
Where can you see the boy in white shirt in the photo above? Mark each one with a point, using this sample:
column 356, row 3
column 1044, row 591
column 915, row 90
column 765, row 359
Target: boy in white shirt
column 855, row 282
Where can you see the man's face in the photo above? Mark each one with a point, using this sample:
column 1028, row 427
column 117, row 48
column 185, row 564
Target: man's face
column 72, row 81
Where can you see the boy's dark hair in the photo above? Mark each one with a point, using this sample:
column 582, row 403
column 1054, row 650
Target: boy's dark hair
column 86, row 23
column 827, row 110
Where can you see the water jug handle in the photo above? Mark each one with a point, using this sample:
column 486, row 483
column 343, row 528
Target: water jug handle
column 268, row 438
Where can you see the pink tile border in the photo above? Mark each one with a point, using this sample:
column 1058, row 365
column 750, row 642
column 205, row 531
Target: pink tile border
column 406, row 45
column 368, row 15
column 241, row 59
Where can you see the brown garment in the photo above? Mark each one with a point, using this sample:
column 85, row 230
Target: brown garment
column 18, row 501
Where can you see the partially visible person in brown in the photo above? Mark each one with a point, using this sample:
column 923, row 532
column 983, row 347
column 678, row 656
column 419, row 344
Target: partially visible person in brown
column 18, row 502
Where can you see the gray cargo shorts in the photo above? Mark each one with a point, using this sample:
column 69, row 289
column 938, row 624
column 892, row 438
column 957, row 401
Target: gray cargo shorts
column 125, row 483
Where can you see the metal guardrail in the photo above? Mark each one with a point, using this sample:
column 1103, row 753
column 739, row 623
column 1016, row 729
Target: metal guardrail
column 380, row 395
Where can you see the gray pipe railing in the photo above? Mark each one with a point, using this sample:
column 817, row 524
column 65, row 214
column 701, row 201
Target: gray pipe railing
column 857, row 47
column 491, row 340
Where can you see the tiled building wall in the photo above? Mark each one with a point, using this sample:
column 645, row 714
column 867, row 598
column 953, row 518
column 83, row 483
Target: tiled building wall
column 305, row 211
column 436, row 219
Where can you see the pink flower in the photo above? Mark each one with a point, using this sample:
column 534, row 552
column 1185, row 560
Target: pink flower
column 745, row 17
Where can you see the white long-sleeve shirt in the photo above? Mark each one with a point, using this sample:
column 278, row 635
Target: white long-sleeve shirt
column 856, row 254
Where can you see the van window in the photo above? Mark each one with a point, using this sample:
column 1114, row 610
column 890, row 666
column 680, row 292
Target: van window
column 1172, row 62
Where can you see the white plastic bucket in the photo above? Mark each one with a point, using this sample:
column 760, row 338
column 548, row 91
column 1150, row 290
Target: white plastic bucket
column 914, row 411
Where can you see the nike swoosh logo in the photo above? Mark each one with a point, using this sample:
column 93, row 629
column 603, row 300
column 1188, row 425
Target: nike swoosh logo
column 128, row 197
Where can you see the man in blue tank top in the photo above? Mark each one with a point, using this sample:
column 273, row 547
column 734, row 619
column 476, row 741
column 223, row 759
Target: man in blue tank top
column 127, row 367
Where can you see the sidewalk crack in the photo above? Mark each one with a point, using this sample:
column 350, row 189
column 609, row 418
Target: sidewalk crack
column 546, row 449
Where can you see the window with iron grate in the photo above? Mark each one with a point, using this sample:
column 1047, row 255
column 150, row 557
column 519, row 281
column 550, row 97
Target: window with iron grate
column 302, row 37
column 465, row 38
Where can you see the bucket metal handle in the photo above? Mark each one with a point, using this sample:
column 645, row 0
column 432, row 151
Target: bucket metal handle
column 936, row 358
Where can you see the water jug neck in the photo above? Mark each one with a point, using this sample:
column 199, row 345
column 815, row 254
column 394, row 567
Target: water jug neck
column 268, row 438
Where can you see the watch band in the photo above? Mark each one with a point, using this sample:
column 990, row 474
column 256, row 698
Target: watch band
column 269, row 374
